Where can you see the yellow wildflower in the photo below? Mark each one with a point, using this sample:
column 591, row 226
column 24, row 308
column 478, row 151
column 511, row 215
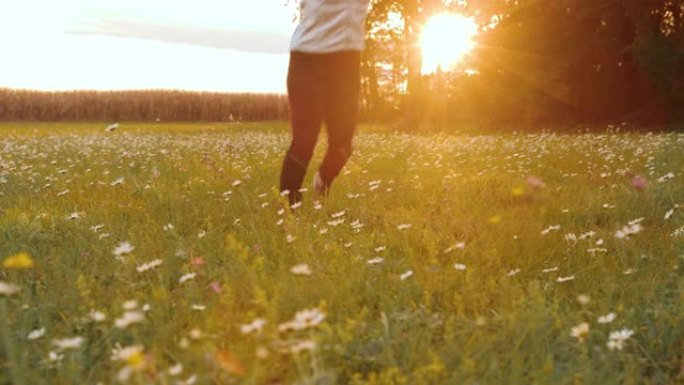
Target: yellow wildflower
column 494, row 219
column 136, row 360
column 517, row 191
column 18, row 261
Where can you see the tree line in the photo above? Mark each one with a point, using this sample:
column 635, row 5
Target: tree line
column 149, row 105
column 541, row 62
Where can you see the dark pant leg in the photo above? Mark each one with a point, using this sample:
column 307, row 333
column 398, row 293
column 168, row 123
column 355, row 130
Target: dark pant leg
column 305, row 94
column 342, row 80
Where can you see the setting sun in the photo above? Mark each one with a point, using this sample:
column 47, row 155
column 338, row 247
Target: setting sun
column 446, row 38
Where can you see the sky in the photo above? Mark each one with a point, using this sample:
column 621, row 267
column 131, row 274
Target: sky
column 203, row 45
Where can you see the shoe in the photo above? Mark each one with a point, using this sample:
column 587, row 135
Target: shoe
column 319, row 187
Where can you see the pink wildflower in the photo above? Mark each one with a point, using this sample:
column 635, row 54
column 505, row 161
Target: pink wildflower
column 639, row 182
column 534, row 182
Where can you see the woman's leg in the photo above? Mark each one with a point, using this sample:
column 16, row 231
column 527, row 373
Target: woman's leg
column 305, row 93
column 341, row 111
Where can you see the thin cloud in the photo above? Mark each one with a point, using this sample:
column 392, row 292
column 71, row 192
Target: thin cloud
column 239, row 40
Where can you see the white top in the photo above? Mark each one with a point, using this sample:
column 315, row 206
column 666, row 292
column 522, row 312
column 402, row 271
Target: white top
column 330, row 26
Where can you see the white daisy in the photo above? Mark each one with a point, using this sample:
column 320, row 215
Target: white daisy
column 301, row 269
column 580, row 331
column 69, row 343
column 148, row 265
column 406, row 275
column 187, row 277
column 175, row 370
column 8, row 289
column 36, row 334
column 565, row 279
column 617, row 339
column 608, row 318
column 129, row 318
column 123, row 248
column 256, row 325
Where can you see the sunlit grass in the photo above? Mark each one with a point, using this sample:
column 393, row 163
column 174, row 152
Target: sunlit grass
column 437, row 259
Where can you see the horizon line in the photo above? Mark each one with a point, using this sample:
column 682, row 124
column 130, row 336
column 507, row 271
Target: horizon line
column 180, row 90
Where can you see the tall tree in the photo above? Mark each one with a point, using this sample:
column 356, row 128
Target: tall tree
column 413, row 15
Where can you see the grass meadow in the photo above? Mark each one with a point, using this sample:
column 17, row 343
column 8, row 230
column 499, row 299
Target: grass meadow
column 164, row 254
